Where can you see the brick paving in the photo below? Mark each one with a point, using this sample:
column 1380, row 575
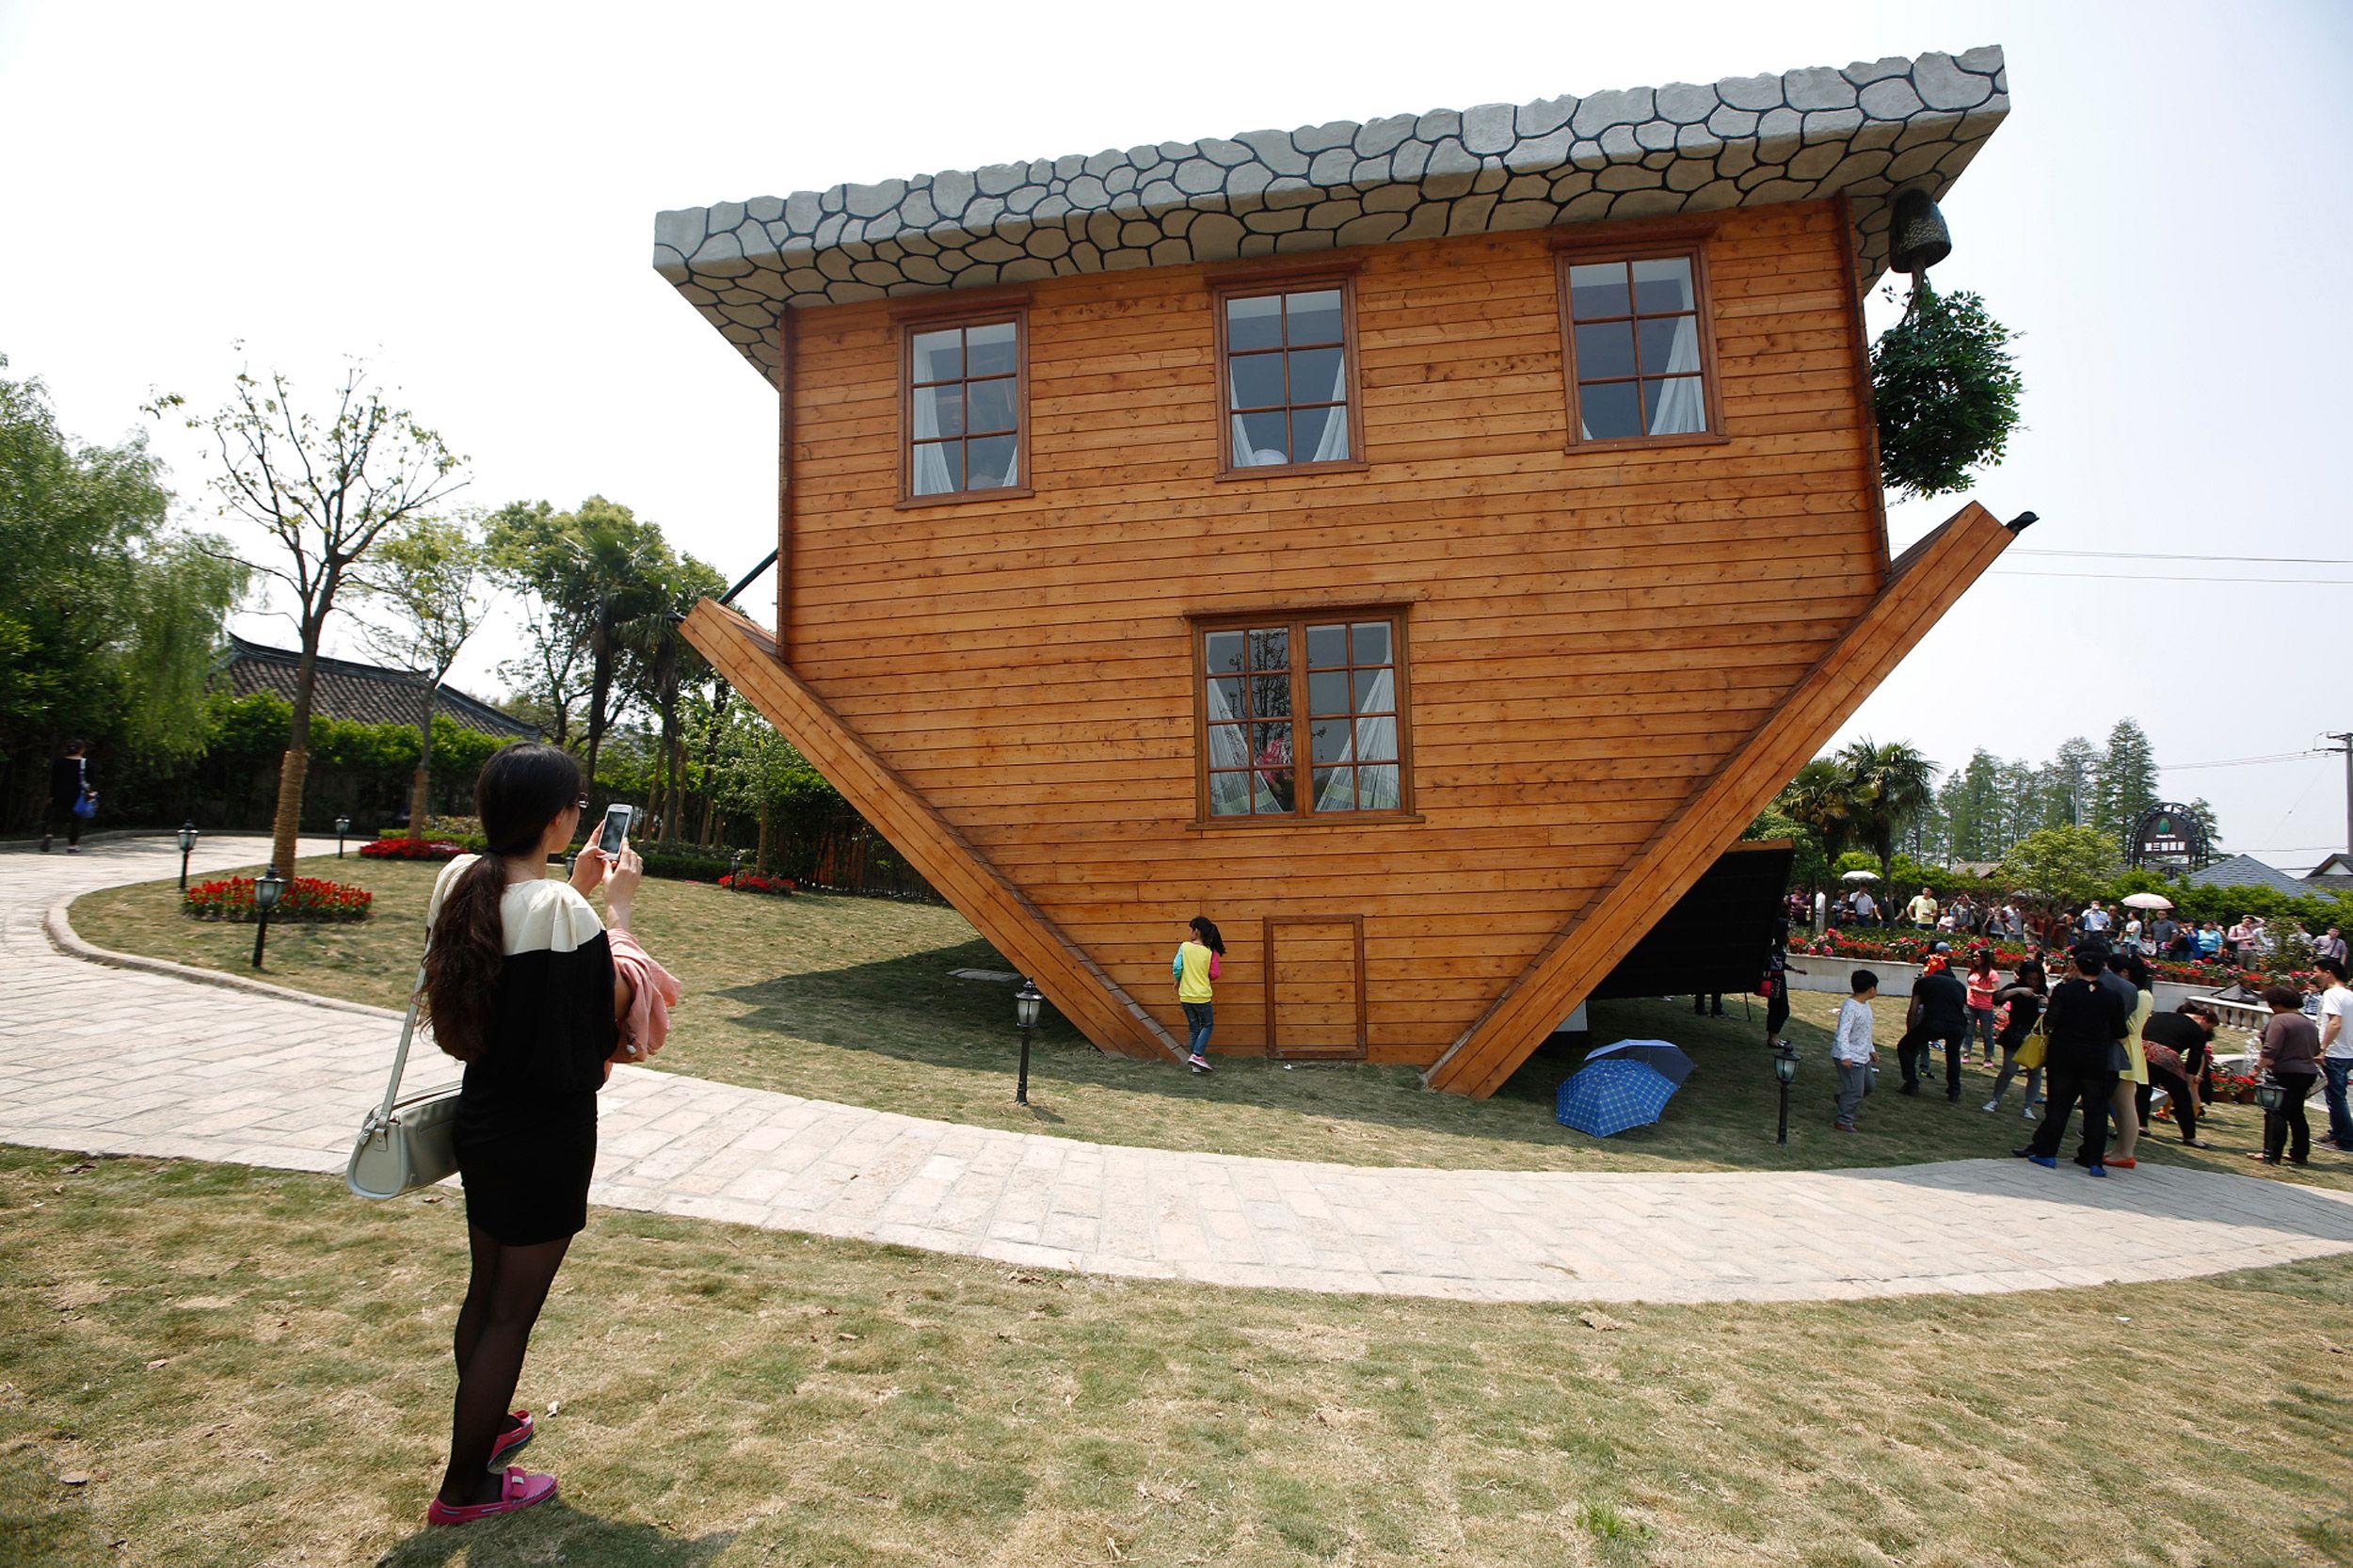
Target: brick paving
column 105, row 1059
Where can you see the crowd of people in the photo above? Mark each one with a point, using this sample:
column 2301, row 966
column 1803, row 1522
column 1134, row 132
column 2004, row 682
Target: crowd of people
column 2093, row 1040
column 2249, row 941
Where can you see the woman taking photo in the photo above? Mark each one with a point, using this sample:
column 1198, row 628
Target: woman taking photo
column 520, row 984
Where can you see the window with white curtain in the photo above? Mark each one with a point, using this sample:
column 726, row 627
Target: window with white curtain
column 1301, row 717
column 1284, row 367
column 964, row 406
column 1637, row 348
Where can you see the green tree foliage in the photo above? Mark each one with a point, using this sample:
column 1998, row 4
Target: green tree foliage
column 2066, row 784
column 426, row 577
column 1810, row 867
column 108, row 619
column 2203, row 810
column 2125, row 783
column 1889, row 783
column 1945, row 390
column 2061, row 867
column 1974, row 809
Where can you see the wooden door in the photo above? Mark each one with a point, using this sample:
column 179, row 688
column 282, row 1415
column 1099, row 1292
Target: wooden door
column 1314, row 988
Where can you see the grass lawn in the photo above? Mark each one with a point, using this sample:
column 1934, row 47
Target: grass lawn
column 851, row 1000
column 207, row 1365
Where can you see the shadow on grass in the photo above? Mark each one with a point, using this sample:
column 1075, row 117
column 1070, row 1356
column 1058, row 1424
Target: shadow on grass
column 555, row 1532
column 908, row 1008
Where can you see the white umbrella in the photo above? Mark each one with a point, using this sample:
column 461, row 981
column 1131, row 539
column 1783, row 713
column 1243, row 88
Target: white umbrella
column 1860, row 876
column 2146, row 901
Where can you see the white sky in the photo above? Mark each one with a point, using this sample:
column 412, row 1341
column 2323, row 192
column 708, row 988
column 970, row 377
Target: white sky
column 465, row 194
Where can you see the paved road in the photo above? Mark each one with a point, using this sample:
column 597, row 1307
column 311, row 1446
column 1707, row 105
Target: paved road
column 107, row 1060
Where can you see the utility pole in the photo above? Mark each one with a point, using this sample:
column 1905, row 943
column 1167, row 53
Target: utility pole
column 2345, row 744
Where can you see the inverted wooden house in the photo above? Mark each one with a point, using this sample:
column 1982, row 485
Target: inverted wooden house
column 1421, row 545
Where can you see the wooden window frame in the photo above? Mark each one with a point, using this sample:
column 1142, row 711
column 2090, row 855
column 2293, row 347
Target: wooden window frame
column 1198, row 627
column 1016, row 312
column 1667, row 246
column 1228, row 287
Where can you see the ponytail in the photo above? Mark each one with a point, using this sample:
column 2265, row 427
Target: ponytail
column 1205, row 929
column 523, row 789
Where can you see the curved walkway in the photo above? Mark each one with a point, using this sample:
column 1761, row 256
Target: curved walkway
column 108, row 1060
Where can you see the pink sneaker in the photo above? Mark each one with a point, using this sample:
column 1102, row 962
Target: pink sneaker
column 514, row 1437
column 520, row 1490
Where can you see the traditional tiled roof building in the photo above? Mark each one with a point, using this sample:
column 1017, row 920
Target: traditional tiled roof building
column 368, row 694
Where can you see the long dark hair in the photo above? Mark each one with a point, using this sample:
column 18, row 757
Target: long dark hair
column 523, row 789
column 1205, row 929
column 2133, row 967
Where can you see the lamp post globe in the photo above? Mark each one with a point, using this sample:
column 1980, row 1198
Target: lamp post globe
column 267, row 890
column 1025, row 1006
column 342, row 830
column 187, row 847
column 2271, row 1094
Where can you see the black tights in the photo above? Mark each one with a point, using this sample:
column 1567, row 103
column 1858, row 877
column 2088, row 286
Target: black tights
column 1777, row 1010
column 508, row 1287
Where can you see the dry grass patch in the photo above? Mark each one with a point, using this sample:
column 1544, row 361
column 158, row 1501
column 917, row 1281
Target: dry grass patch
column 249, row 1368
column 851, row 1000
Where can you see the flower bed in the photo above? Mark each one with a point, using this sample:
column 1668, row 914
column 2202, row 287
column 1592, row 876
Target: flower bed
column 751, row 882
column 411, row 849
column 306, row 899
column 1915, row 947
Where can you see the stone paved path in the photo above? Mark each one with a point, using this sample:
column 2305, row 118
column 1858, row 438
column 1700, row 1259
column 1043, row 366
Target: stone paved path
column 107, row 1060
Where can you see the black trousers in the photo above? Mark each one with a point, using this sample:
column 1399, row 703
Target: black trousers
column 62, row 819
column 2177, row 1091
column 2289, row 1118
column 1776, row 1011
column 2065, row 1090
column 1913, row 1049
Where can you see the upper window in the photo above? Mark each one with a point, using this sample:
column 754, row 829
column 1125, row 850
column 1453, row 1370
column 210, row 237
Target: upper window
column 1639, row 348
column 964, row 409
column 1283, row 361
column 1268, row 682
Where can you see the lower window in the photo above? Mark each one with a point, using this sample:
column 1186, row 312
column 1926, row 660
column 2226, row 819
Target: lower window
column 1301, row 717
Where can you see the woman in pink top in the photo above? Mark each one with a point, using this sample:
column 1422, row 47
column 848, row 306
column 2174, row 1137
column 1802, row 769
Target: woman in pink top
column 1983, row 982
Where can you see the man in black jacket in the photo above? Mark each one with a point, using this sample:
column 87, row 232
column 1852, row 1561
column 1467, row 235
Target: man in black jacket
column 69, row 782
column 1939, row 1011
column 2084, row 1024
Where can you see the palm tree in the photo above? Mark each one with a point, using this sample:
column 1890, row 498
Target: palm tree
column 1888, row 784
column 1821, row 798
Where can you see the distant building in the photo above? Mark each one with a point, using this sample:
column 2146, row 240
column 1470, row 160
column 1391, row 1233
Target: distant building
column 2245, row 871
column 367, row 693
column 2335, row 874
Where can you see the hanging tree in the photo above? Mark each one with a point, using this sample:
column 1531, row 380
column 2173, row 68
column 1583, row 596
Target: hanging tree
column 1943, row 380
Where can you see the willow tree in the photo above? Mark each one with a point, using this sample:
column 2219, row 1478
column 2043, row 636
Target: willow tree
column 325, row 487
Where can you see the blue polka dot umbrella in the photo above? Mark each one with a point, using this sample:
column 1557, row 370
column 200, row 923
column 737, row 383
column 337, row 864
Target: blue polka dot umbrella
column 1608, row 1096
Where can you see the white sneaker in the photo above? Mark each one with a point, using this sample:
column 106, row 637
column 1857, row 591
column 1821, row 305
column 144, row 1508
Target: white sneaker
column 1991, row 1105
column 2028, row 1112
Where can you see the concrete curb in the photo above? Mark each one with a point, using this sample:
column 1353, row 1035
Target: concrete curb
column 58, row 927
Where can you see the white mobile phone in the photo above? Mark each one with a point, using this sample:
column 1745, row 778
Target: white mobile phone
column 617, row 820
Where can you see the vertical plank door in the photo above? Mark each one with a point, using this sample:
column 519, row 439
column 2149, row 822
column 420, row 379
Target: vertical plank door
column 1315, row 989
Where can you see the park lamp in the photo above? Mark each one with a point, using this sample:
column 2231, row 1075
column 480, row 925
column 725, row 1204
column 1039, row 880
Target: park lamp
column 187, row 847
column 267, row 890
column 2271, row 1094
column 1785, row 1062
column 1025, row 1006
column 342, row 830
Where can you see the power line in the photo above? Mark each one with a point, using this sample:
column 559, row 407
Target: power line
column 2127, row 577
column 2241, row 761
column 2168, row 555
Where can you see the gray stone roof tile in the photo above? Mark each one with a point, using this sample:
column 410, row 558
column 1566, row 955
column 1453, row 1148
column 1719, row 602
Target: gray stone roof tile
column 1746, row 141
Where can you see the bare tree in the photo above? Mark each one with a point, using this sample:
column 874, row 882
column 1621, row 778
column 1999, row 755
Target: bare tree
column 428, row 573
column 325, row 488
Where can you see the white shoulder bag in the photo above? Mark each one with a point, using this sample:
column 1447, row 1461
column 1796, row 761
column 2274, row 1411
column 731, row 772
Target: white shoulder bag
column 405, row 1144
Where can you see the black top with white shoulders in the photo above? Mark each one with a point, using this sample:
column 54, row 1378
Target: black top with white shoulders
column 552, row 1024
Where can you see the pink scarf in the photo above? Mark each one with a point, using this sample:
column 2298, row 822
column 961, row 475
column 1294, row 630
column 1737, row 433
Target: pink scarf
column 652, row 992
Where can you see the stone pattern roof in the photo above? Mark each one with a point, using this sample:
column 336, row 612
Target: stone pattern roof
column 369, row 693
column 1870, row 130
column 2245, row 871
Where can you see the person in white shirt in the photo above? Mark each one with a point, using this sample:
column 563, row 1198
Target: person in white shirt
column 2336, row 1051
column 1853, row 1050
column 2095, row 917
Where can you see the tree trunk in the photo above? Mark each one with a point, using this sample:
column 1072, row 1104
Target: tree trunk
column 759, row 855
column 286, row 825
column 599, row 689
column 420, row 789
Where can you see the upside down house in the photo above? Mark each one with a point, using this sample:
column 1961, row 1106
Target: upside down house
column 1423, row 546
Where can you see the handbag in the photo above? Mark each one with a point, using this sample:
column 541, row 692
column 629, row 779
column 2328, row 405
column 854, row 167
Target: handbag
column 2032, row 1049
column 86, row 806
column 405, row 1144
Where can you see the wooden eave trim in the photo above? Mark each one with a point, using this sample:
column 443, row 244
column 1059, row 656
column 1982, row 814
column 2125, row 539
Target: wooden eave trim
column 1866, row 405
column 1277, row 270
column 1931, row 579
column 1089, row 998
column 980, row 302
column 1681, row 227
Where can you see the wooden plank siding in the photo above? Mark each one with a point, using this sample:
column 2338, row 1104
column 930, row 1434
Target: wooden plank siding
column 1593, row 634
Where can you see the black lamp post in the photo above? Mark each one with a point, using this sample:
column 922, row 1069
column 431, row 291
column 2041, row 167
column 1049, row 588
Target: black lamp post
column 1785, row 1069
column 1025, row 1005
column 735, row 872
column 2271, row 1094
column 187, row 847
column 343, row 827
column 265, row 895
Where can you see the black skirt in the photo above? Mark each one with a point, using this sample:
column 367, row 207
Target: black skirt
column 526, row 1174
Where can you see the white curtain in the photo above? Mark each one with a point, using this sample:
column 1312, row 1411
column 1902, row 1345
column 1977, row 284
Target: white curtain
column 1334, row 447
column 1682, row 409
column 1229, row 792
column 1380, row 742
column 934, row 474
column 1246, row 455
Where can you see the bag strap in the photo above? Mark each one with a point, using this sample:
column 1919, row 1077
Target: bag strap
column 400, row 1058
